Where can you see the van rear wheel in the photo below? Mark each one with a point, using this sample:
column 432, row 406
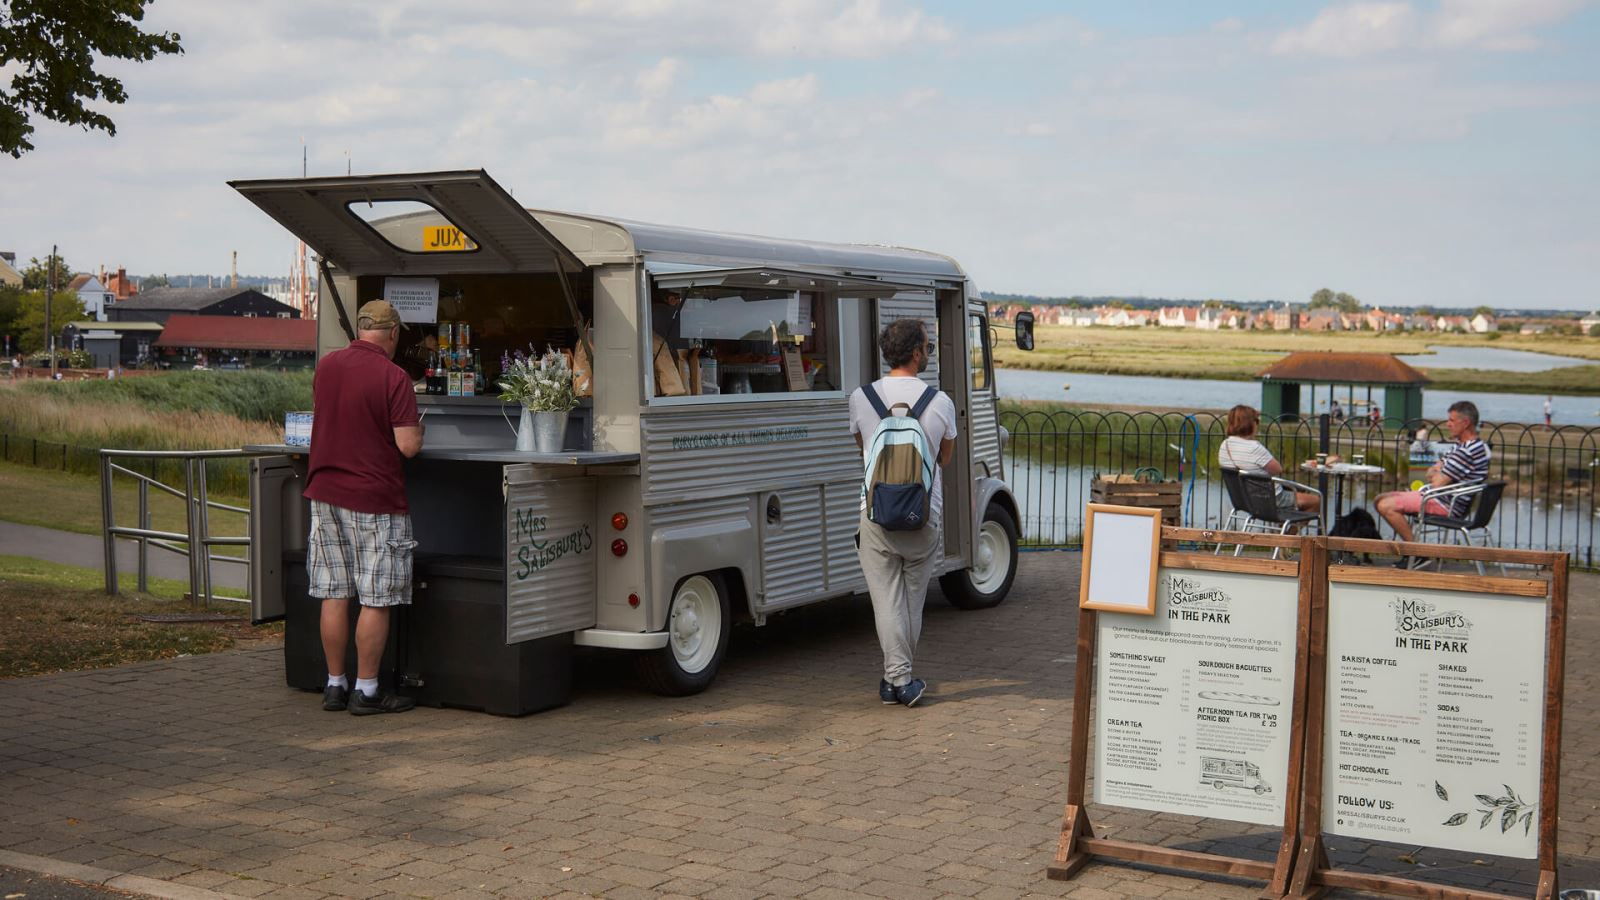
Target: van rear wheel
column 698, row 624
column 994, row 564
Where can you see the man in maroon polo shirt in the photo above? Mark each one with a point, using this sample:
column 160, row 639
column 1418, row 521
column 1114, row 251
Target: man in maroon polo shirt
column 360, row 544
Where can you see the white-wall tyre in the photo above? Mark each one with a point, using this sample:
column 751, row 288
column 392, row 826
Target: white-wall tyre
column 994, row 566
column 699, row 621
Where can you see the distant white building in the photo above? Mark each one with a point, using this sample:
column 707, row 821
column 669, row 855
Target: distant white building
column 94, row 295
column 1482, row 324
column 1591, row 321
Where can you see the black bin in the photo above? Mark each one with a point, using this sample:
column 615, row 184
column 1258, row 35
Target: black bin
column 457, row 654
column 304, row 665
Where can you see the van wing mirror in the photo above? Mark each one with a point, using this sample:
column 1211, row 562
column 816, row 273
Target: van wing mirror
column 1024, row 330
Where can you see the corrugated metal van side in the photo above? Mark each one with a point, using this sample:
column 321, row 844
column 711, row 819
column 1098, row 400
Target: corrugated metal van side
column 721, row 451
column 791, row 549
column 843, row 511
column 985, row 433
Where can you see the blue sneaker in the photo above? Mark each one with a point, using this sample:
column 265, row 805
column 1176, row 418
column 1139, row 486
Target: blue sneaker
column 886, row 693
column 910, row 692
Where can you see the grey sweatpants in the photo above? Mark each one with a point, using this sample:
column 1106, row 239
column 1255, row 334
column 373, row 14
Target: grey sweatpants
column 898, row 566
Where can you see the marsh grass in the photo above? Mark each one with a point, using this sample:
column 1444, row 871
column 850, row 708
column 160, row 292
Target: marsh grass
column 177, row 411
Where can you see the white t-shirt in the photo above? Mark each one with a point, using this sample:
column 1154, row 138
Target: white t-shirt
column 938, row 423
column 1244, row 454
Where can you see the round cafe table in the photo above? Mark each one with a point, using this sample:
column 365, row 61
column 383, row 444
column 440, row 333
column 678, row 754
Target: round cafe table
column 1340, row 471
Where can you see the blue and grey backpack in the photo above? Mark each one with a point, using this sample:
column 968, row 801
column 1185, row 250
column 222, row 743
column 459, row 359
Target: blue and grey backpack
column 899, row 481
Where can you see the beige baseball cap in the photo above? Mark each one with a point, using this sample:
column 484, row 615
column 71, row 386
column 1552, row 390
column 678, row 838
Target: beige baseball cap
column 381, row 312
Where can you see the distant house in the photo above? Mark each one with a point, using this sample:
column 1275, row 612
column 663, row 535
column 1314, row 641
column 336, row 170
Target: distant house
column 238, row 341
column 160, row 304
column 1322, row 320
column 112, row 343
column 1076, row 317
column 1454, row 323
column 1482, row 324
column 1533, row 328
column 1422, row 323
column 1178, row 317
column 120, row 285
column 93, row 295
column 1214, row 319
column 1285, row 319
column 9, row 276
column 1590, row 322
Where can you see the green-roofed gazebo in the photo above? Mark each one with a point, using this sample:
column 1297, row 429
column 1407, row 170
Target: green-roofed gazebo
column 1351, row 377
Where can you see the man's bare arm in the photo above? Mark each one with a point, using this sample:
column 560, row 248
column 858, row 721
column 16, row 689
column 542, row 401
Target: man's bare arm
column 409, row 439
column 947, row 451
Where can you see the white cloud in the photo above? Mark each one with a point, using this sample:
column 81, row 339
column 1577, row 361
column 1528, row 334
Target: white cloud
column 1496, row 24
column 861, row 28
column 658, row 79
column 1354, row 29
column 1361, row 29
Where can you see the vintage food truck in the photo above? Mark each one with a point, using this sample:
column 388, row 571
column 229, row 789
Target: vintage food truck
column 684, row 499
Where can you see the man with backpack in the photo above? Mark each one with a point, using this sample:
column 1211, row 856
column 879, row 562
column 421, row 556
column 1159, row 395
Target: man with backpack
column 907, row 432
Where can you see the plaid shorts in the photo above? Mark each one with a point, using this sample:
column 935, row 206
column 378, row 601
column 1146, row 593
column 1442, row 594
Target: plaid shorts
column 357, row 554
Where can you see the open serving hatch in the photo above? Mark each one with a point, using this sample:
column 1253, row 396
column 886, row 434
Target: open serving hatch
column 488, row 231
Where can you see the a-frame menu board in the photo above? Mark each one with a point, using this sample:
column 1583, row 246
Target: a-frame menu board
column 1195, row 709
column 1434, row 713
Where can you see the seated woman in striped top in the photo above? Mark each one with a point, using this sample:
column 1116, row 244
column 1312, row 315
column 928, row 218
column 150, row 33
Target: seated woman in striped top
column 1244, row 452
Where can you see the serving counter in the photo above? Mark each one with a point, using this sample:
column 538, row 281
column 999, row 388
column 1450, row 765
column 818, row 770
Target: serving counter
column 504, row 564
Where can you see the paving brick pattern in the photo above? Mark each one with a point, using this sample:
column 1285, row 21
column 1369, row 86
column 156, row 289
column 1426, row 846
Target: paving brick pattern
column 787, row 779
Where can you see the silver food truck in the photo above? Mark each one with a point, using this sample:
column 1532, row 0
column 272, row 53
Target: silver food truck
column 723, row 485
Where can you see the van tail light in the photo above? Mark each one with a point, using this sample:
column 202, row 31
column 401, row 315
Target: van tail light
column 619, row 547
column 633, row 600
column 619, row 521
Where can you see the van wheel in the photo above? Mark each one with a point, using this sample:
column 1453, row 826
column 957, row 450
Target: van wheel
column 698, row 624
column 994, row 566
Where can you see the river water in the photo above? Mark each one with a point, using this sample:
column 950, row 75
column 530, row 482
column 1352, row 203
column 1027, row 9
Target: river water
column 1200, row 393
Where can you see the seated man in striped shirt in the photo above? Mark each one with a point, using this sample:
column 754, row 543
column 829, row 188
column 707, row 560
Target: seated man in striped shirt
column 1467, row 464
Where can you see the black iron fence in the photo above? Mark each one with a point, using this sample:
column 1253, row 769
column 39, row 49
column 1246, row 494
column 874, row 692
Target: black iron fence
column 1052, row 459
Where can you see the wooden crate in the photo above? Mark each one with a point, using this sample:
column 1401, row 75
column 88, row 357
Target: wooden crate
column 1123, row 490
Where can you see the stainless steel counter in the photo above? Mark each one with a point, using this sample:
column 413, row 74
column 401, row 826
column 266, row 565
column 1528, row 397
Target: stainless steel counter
column 472, row 453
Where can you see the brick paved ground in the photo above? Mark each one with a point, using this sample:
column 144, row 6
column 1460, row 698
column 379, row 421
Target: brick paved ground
column 787, row 779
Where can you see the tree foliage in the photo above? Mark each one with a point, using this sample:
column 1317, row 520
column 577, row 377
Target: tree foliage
column 1327, row 299
column 22, row 316
column 36, row 277
column 54, row 47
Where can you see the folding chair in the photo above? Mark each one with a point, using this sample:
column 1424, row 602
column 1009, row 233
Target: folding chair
column 1261, row 499
column 1460, row 530
column 1239, row 516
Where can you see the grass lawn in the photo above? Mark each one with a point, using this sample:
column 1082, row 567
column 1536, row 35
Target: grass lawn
column 71, row 502
column 58, row 618
column 1239, row 355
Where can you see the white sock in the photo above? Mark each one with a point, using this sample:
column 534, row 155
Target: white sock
column 338, row 681
column 368, row 686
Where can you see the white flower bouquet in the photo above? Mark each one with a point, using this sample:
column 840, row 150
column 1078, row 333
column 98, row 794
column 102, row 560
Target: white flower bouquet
column 541, row 383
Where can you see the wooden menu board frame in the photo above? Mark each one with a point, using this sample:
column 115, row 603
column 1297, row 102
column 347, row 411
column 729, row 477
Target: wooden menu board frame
column 1078, row 843
column 1314, row 872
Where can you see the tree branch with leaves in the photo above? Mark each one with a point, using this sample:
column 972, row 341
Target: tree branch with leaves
column 55, row 47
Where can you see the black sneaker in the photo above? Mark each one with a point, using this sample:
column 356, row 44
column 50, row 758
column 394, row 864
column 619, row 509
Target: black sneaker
column 363, row 705
column 1403, row 562
column 335, row 697
column 910, row 692
column 886, row 693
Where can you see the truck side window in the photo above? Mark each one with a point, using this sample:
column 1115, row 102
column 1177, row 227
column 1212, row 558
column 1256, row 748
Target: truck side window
column 978, row 348
column 743, row 341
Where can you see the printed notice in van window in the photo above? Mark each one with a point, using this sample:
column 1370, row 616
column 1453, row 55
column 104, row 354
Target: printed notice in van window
column 1193, row 705
column 415, row 299
column 1434, row 724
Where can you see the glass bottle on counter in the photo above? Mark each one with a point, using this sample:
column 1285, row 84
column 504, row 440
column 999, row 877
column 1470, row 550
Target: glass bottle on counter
column 478, row 386
column 453, row 375
column 430, row 381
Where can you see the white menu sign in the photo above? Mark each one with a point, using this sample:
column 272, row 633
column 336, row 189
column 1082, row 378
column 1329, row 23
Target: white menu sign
column 1193, row 705
column 415, row 299
column 1433, row 725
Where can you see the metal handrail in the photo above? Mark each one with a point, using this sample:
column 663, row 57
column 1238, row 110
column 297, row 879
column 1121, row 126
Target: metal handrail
column 197, row 538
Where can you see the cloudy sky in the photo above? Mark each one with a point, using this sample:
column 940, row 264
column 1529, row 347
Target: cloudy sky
column 1444, row 152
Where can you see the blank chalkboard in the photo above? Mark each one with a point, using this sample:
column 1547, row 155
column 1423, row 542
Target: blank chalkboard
column 1121, row 547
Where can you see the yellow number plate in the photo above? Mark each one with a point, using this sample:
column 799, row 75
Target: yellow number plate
column 445, row 239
